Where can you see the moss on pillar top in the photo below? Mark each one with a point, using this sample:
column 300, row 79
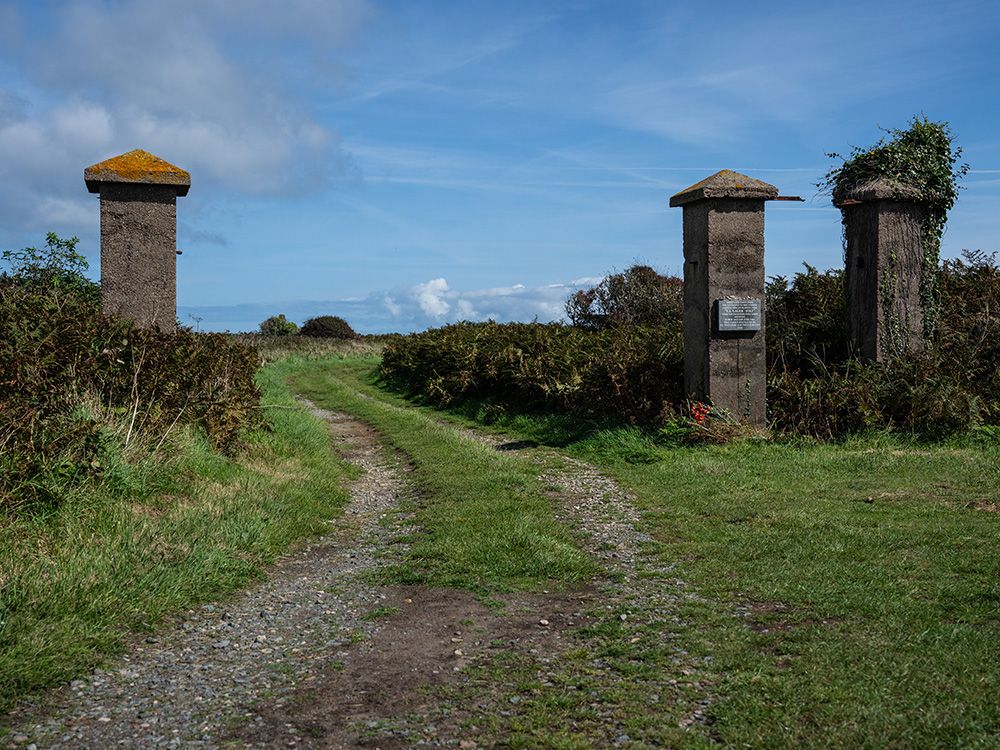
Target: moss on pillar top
column 726, row 184
column 137, row 166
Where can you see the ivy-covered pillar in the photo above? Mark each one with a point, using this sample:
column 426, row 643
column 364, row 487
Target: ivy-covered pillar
column 884, row 259
column 725, row 359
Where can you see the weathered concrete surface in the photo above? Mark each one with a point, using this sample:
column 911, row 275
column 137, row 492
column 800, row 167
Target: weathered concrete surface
column 883, row 269
column 724, row 258
column 138, row 253
column 139, row 236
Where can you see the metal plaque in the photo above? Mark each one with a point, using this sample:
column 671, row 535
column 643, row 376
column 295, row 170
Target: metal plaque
column 739, row 314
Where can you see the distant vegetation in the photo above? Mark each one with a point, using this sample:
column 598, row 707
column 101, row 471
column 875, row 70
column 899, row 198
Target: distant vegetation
column 639, row 296
column 321, row 327
column 329, row 327
column 278, row 325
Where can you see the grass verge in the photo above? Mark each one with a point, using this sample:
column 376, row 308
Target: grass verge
column 119, row 556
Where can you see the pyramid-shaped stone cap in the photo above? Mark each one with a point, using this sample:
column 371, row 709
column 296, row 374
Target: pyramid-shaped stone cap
column 137, row 166
column 876, row 189
column 725, row 184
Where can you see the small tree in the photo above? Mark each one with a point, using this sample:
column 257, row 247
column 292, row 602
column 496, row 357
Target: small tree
column 638, row 296
column 278, row 325
column 57, row 266
column 328, row 326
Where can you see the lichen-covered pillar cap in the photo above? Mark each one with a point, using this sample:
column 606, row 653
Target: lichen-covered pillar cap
column 725, row 184
column 137, row 167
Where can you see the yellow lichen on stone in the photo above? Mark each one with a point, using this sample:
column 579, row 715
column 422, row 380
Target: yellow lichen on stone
column 136, row 166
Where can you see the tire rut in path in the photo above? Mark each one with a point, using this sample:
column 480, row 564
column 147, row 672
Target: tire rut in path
column 648, row 594
column 296, row 663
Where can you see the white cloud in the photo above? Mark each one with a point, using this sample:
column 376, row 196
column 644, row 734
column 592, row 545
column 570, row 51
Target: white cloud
column 465, row 310
column 390, row 304
column 430, row 297
column 172, row 78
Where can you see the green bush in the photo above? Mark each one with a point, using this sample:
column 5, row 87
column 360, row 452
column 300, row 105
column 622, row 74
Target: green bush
column 948, row 388
column 806, row 321
column 78, row 388
column 57, row 267
column 328, row 326
column 637, row 297
column 923, row 162
column 278, row 325
column 626, row 374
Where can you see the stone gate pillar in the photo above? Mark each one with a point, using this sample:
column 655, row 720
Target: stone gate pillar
column 139, row 236
column 883, row 232
column 725, row 360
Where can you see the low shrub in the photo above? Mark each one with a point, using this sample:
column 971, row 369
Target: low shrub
column 328, row 326
column 622, row 374
column 806, row 321
column 816, row 389
column 278, row 325
column 634, row 374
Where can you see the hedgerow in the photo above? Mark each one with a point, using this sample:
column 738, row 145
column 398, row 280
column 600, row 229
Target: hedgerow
column 77, row 388
column 624, row 374
column 816, row 388
column 635, row 374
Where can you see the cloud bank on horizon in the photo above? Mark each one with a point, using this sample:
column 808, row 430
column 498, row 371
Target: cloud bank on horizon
column 425, row 305
column 369, row 150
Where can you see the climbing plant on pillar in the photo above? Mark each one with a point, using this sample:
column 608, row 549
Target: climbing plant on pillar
column 924, row 161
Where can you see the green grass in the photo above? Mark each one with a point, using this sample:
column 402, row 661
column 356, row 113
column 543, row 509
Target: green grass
column 485, row 522
column 876, row 579
column 849, row 593
column 869, row 572
column 119, row 556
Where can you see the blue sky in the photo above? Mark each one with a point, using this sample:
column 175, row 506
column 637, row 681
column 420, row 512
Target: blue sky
column 406, row 164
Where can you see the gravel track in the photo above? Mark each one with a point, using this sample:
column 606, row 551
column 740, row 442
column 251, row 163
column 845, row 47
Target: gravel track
column 649, row 595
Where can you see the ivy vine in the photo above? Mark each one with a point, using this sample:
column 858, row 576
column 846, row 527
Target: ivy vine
column 924, row 161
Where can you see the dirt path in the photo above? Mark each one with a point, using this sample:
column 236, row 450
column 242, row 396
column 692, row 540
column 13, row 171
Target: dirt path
column 321, row 656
